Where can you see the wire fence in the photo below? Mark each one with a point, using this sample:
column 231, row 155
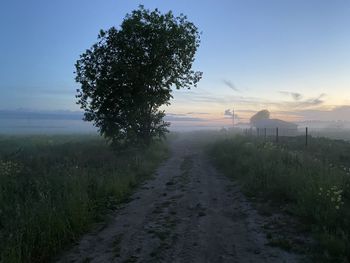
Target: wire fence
column 278, row 134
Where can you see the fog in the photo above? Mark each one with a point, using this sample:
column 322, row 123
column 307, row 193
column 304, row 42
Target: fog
column 20, row 122
column 30, row 122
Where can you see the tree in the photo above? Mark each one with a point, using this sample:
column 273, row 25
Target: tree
column 260, row 115
column 129, row 74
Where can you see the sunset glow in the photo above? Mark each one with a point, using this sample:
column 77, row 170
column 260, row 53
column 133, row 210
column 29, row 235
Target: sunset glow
column 289, row 57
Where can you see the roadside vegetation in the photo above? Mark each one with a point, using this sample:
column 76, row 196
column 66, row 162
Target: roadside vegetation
column 311, row 183
column 53, row 188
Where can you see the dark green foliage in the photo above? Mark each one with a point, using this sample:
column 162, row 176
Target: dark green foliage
column 52, row 188
column 129, row 73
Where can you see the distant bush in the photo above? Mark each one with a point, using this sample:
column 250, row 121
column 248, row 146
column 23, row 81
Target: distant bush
column 53, row 188
column 314, row 188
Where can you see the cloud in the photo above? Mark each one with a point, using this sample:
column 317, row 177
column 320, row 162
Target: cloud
column 228, row 112
column 298, row 101
column 221, row 100
column 329, row 115
column 40, row 115
column 256, row 103
column 179, row 117
column 197, row 113
column 312, row 102
column 176, row 114
column 295, row 95
column 248, row 105
column 337, row 113
column 230, row 85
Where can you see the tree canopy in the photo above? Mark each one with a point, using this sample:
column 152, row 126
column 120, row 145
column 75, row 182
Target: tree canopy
column 129, row 74
column 260, row 115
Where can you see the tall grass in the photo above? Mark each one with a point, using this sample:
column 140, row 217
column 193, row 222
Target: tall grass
column 313, row 188
column 52, row 188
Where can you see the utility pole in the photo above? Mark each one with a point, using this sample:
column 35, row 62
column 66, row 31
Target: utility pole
column 306, row 136
column 233, row 117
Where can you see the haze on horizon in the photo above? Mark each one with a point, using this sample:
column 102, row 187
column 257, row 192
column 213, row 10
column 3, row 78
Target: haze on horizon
column 290, row 57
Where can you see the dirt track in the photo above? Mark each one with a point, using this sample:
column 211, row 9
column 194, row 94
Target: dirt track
column 187, row 213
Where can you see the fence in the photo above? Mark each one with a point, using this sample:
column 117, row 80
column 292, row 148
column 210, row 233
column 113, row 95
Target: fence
column 278, row 134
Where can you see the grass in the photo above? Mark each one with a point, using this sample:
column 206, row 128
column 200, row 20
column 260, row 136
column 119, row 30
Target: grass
column 53, row 188
column 310, row 183
column 332, row 151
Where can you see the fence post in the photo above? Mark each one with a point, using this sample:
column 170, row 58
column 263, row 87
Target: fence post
column 265, row 134
column 306, row 136
column 258, row 132
column 277, row 134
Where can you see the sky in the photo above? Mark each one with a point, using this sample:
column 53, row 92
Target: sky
column 291, row 57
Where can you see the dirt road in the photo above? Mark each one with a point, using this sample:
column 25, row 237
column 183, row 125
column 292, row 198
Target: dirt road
column 187, row 213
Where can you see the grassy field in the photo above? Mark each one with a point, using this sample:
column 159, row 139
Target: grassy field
column 53, row 188
column 311, row 183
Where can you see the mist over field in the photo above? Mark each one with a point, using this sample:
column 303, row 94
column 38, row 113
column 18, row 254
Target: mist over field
column 175, row 131
column 65, row 122
column 33, row 122
column 24, row 122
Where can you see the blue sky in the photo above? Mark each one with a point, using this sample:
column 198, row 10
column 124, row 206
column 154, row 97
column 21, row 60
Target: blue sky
column 269, row 50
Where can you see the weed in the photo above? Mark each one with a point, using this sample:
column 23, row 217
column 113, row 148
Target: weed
column 55, row 187
column 310, row 182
